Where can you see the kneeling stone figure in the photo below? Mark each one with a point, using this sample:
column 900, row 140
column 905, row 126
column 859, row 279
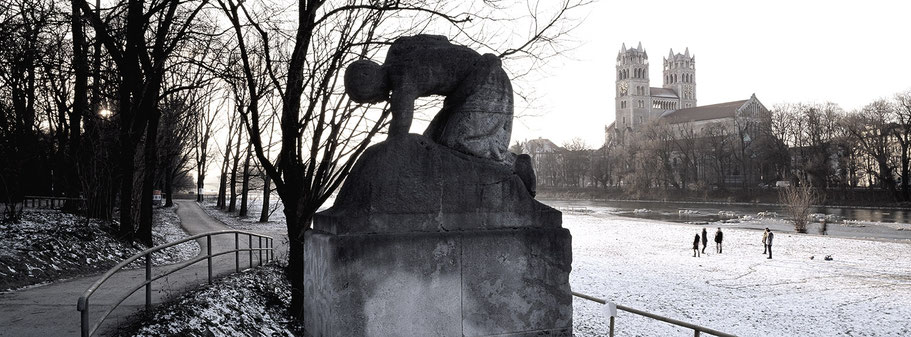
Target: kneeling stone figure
column 477, row 113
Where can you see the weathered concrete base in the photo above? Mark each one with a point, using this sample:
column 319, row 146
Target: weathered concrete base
column 502, row 282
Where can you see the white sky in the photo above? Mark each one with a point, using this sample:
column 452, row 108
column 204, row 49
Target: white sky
column 846, row 52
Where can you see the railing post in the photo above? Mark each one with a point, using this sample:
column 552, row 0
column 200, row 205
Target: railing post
column 209, row 255
column 611, row 331
column 84, row 318
column 260, row 239
column 236, row 253
column 250, row 246
column 695, row 333
column 148, row 281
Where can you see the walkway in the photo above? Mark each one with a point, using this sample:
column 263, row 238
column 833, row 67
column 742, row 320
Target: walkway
column 50, row 310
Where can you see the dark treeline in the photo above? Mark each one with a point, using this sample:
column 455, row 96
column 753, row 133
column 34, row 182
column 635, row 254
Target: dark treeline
column 847, row 156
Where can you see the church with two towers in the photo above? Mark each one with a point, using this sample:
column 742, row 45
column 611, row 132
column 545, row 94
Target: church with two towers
column 638, row 103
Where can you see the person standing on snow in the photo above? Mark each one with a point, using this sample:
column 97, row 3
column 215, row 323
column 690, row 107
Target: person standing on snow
column 705, row 240
column 765, row 244
column 696, row 246
column 769, row 243
column 719, row 236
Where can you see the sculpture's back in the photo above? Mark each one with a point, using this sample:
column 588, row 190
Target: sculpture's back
column 430, row 236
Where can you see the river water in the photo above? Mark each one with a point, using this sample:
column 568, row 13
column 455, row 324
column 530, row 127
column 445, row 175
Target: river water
column 853, row 222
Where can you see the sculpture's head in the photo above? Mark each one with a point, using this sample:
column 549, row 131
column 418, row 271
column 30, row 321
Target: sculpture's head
column 365, row 82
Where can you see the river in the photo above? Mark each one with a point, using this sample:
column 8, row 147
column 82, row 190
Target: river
column 851, row 222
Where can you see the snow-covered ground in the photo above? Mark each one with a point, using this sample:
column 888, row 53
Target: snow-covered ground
column 865, row 290
column 275, row 227
column 251, row 303
column 48, row 245
column 648, row 265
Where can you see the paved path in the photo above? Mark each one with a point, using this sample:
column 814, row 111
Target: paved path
column 50, row 310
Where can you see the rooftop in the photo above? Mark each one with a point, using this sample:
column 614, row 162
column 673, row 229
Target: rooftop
column 662, row 92
column 706, row 112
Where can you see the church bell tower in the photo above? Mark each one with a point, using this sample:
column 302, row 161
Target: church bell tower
column 680, row 75
column 632, row 97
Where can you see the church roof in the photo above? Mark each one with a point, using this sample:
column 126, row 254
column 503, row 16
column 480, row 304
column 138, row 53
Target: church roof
column 662, row 92
column 541, row 145
column 706, row 112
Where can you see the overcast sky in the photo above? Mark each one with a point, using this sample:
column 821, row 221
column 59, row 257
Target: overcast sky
column 846, row 52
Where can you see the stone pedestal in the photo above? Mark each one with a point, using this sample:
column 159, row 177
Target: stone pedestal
column 424, row 241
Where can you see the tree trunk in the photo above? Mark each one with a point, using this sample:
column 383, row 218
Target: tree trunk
column 906, row 194
column 144, row 232
column 169, row 187
column 222, row 186
column 267, row 186
column 232, row 203
column 245, row 185
column 295, row 269
column 222, row 183
column 127, row 169
column 80, row 107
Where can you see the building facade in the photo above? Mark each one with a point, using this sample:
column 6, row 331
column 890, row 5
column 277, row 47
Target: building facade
column 674, row 106
column 637, row 102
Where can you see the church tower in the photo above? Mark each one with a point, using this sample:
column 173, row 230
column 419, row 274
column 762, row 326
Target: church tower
column 680, row 76
column 633, row 102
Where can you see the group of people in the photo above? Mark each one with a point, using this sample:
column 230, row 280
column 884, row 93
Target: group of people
column 719, row 236
column 767, row 237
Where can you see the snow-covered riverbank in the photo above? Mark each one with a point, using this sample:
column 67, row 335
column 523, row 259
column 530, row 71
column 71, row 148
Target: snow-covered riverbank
column 864, row 291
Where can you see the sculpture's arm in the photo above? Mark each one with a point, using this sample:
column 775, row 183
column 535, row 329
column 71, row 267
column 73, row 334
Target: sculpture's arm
column 402, row 104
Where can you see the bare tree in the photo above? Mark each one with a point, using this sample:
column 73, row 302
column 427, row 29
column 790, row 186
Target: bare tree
column 718, row 146
column 902, row 131
column 150, row 35
column 233, row 131
column 602, row 170
column 322, row 132
column 205, row 128
column 797, row 200
column 872, row 131
column 576, row 161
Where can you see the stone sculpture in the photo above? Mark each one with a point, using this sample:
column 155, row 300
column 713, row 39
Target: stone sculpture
column 477, row 114
column 438, row 234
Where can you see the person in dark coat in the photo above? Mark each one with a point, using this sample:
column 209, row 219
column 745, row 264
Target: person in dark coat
column 768, row 243
column 705, row 240
column 696, row 246
column 719, row 236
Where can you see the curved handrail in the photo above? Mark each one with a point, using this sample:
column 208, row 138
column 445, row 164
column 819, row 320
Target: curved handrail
column 82, row 304
column 695, row 327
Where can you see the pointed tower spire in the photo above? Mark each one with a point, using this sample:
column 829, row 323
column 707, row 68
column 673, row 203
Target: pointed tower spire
column 640, row 46
column 623, row 49
column 687, row 53
column 670, row 54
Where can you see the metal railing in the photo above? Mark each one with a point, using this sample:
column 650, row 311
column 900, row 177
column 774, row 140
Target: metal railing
column 697, row 330
column 33, row 201
column 83, row 305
